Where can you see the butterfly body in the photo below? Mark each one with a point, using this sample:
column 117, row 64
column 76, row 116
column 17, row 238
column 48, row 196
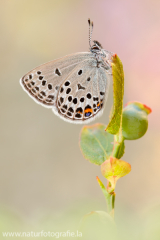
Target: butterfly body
column 74, row 86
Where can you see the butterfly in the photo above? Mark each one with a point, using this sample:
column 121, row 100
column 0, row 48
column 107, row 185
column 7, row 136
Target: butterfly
column 75, row 86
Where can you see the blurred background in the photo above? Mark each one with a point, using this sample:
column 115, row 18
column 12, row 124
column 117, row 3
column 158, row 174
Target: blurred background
column 44, row 179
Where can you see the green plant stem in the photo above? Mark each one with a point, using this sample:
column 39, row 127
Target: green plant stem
column 110, row 201
column 113, row 203
column 118, row 141
column 110, row 204
column 109, row 196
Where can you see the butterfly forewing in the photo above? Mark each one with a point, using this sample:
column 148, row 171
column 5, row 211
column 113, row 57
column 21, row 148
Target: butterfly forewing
column 43, row 83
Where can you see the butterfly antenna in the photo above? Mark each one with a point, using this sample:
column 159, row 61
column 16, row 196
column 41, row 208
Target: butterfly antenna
column 90, row 31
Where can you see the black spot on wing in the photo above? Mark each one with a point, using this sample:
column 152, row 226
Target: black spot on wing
column 80, row 87
column 80, row 72
column 79, row 110
column 95, row 98
column 61, row 99
column 89, row 95
column 61, row 90
column 67, row 83
column 51, row 97
column 44, row 82
column 70, row 98
column 68, row 90
column 82, row 99
column 69, row 114
column 77, row 115
column 57, row 72
column 64, row 106
column 50, row 86
column 71, row 110
column 75, row 101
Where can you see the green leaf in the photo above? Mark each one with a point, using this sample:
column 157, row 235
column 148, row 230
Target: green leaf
column 96, row 144
column 135, row 120
column 115, row 123
column 139, row 106
column 104, row 190
column 113, row 169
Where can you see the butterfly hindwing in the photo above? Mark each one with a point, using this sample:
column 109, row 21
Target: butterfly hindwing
column 79, row 98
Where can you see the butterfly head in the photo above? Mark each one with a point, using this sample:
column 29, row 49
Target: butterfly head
column 97, row 47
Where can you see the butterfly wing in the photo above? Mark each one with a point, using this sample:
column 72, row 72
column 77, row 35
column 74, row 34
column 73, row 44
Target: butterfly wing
column 43, row 82
column 73, row 86
column 83, row 93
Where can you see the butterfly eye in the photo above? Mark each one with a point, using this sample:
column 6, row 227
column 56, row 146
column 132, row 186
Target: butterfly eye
column 95, row 48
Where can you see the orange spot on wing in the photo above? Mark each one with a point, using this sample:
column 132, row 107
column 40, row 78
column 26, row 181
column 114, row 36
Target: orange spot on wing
column 88, row 110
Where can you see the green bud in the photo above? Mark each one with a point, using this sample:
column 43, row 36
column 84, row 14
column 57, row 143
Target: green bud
column 135, row 120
